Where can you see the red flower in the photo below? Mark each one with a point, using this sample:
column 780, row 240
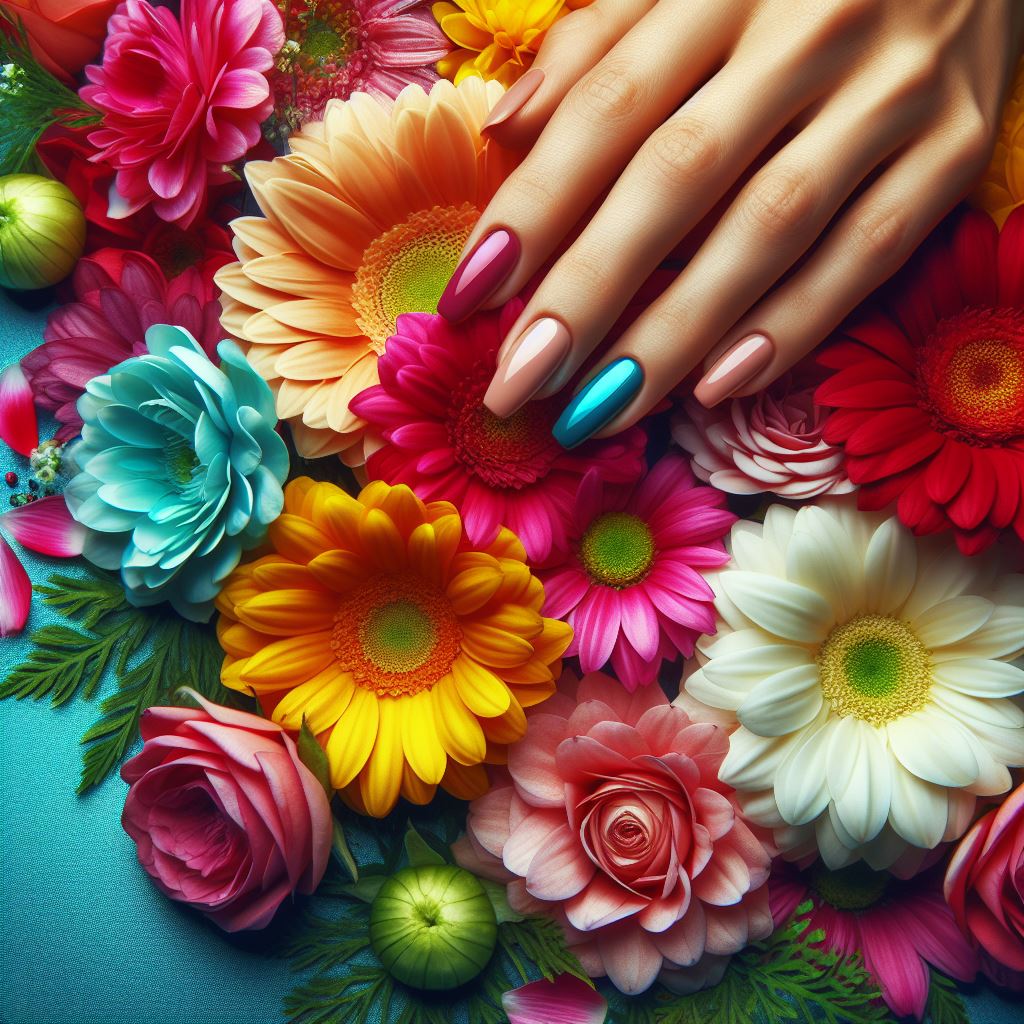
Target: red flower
column 929, row 386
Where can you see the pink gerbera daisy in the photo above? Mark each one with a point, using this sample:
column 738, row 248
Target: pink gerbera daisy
column 900, row 927
column 629, row 582
column 441, row 440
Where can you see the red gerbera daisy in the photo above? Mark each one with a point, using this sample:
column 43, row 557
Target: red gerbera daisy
column 929, row 386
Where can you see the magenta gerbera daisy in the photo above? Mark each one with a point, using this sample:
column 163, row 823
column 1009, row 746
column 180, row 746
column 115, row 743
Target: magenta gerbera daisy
column 630, row 584
column 435, row 434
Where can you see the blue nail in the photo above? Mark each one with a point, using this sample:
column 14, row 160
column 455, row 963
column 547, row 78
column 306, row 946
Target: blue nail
column 603, row 398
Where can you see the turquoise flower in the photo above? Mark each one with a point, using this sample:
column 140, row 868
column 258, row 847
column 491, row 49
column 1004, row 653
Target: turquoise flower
column 180, row 470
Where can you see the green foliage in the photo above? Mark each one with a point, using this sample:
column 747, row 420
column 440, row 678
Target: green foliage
column 31, row 100
column 945, row 1006
column 150, row 655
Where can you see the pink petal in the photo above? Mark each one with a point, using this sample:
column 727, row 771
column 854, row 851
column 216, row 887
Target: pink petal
column 566, row 1000
column 15, row 591
column 18, row 425
column 46, row 526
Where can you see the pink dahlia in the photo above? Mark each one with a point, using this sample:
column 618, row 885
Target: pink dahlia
column 771, row 441
column 610, row 818
column 628, row 582
column 900, row 928
column 337, row 47
column 436, row 435
column 120, row 295
column 181, row 99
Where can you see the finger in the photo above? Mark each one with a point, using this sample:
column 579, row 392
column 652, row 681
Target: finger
column 589, row 139
column 572, row 47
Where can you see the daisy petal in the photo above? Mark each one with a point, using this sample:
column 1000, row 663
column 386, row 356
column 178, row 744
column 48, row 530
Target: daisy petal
column 46, row 526
column 933, row 748
column 15, row 592
column 566, row 1000
column 786, row 609
column 980, row 677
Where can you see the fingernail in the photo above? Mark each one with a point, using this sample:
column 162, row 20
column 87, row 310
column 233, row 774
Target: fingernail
column 515, row 99
column 747, row 358
column 600, row 401
column 529, row 362
column 479, row 274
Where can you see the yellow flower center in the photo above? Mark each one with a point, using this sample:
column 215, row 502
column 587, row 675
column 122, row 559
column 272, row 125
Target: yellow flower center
column 406, row 269
column 854, row 888
column 397, row 636
column 875, row 668
column 617, row 549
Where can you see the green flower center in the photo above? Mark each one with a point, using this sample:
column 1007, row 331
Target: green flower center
column 181, row 460
column 875, row 668
column 617, row 549
column 856, row 887
column 398, row 637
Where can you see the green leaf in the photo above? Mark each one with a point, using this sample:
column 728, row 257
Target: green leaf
column 945, row 1004
column 366, row 887
column 542, row 942
column 420, row 851
column 339, row 847
column 314, row 757
column 497, row 894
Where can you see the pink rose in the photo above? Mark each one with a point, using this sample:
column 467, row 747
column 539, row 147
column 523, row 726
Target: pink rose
column 985, row 888
column 611, row 819
column 224, row 815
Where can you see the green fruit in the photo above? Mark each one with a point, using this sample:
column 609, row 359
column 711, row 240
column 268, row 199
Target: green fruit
column 433, row 927
column 42, row 231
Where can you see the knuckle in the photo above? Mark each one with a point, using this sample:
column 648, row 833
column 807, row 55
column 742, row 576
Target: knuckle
column 529, row 190
column 781, row 201
column 573, row 26
column 683, row 150
column 610, row 92
column 880, row 233
column 583, row 267
column 976, row 138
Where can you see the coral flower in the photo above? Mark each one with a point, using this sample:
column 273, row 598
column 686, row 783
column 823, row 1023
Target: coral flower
column 899, row 927
column 120, row 296
column 612, row 820
column 929, row 386
column 181, row 99
column 364, row 220
column 440, row 439
column 629, row 582
column 337, row 47
column 1002, row 189
column 410, row 652
column 496, row 39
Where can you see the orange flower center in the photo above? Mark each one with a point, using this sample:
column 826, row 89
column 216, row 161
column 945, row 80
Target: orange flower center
column 972, row 375
column 406, row 269
column 397, row 636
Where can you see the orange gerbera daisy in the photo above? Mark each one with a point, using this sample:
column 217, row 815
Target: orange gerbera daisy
column 1002, row 189
column 409, row 652
column 364, row 220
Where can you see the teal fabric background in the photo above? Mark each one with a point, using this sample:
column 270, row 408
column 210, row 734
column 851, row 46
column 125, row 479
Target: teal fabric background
column 86, row 937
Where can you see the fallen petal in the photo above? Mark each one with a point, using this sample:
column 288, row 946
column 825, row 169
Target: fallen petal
column 46, row 526
column 18, row 426
column 566, row 1000
column 15, row 591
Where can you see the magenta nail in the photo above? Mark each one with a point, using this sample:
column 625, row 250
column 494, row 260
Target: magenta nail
column 478, row 276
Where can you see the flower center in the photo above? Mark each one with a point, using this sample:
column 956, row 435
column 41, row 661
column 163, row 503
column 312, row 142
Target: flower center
column 397, row 636
column 325, row 30
column 875, row 668
column 971, row 373
column 856, row 887
column 406, row 269
column 180, row 459
column 175, row 250
column 617, row 549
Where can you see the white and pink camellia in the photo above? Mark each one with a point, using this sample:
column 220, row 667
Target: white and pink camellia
column 224, row 814
column 611, row 819
column 771, row 441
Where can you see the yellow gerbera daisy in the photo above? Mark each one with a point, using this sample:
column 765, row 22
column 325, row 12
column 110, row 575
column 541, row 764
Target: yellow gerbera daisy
column 364, row 220
column 496, row 39
column 410, row 653
column 1002, row 188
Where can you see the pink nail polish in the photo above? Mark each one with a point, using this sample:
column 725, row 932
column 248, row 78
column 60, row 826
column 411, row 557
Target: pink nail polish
column 739, row 365
column 479, row 275
column 531, row 360
column 515, row 99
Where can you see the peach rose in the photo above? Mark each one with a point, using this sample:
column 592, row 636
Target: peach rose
column 64, row 34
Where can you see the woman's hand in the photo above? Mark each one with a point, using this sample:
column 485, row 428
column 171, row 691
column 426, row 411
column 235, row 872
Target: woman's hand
column 852, row 127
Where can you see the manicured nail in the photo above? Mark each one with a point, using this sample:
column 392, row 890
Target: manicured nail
column 747, row 358
column 528, row 363
column 601, row 400
column 515, row 99
column 479, row 275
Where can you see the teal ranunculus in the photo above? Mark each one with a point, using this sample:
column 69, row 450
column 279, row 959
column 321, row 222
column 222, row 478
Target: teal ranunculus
column 180, row 469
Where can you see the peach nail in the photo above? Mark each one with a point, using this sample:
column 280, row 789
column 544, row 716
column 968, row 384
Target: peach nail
column 515, row 99
column 531, row 360
column 739, row 365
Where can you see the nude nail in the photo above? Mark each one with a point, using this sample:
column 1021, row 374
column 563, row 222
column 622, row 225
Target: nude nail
column 531, row 360
column 739, row 365
column 515, row 99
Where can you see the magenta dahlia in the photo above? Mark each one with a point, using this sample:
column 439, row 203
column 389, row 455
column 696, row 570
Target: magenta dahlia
column 119, row 296
column 181, row 99
column 436, row 435
column 629, row 582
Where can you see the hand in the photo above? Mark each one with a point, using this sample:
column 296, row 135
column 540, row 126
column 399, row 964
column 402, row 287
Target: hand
column 845, row 129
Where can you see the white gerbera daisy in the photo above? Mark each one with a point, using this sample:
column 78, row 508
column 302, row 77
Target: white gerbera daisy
column 869, row 675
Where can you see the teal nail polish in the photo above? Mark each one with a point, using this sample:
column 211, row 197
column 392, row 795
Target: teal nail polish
column 603, row 398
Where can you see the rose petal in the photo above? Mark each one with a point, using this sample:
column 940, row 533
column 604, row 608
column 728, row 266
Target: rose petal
column 18, row 426
column 46, row 526
column 566, row 1000
column 15, row 591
